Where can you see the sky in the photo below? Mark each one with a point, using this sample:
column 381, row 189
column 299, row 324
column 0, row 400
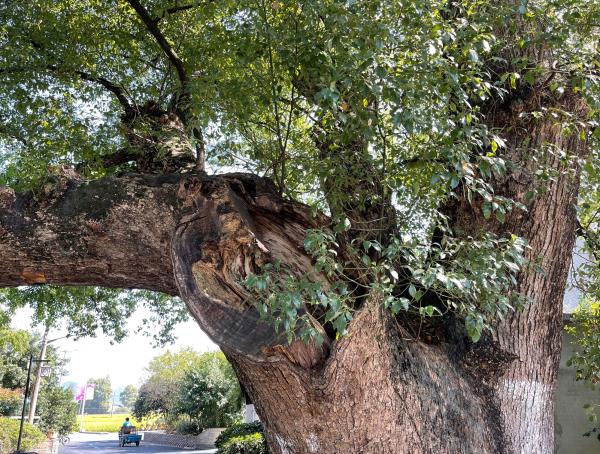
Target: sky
column 124, row 363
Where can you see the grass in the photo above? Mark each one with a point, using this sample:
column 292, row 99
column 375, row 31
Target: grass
column 106, row 423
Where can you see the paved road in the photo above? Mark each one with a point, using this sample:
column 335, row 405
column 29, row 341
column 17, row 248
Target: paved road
column 108, row 444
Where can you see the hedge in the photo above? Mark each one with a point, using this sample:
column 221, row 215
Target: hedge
column 246, row 444
column 10, row 401
column 245, row 438
column 9, row 433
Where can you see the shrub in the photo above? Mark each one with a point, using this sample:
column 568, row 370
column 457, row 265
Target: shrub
column 246, row 444
column 210, row 393
column 9, row 433
column 188, row 428
column 57, row 410
column 239, row 430
column 10, row 401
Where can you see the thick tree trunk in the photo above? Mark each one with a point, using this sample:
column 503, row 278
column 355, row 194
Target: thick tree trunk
column 380, row 391
column 525, row 390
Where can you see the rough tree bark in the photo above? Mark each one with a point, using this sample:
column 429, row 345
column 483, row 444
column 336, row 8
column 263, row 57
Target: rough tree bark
column 378, row 390
column 532, row 337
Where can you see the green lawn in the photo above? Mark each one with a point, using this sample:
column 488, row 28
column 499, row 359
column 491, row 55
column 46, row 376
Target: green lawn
column 105, row 423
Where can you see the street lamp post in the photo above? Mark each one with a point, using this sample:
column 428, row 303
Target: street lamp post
column 42, row 360
column 31, row 361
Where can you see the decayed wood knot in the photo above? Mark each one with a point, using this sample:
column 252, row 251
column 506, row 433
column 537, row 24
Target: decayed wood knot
column 94, row 226
column 32, row 277
column 487, row 361
column 188, row 191
column 7, row 197
column 299, row 353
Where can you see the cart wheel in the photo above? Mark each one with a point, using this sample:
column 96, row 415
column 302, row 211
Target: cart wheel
column 137, row 443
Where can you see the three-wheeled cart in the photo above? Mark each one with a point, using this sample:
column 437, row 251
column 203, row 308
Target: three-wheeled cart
column 128, row 435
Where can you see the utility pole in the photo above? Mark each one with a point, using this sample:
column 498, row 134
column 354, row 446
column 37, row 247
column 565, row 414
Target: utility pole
column 83, row 407
column 112, row 407
column 38, row 377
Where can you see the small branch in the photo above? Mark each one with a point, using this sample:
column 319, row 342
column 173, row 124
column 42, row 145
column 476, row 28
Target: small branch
column 583, row 232
column 118, row 91
column 151, row 25
column 200, row 150
column 176, row 9
column 115, row 89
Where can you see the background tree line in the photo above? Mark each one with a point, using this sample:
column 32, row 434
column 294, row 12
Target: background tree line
column 190, row 391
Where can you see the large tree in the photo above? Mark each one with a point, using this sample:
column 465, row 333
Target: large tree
column 412, row 174
column 103, row 395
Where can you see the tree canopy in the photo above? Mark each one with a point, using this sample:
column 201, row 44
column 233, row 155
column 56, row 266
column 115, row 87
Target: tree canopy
column 348, row 106
column 85, row 311
column 103, row 395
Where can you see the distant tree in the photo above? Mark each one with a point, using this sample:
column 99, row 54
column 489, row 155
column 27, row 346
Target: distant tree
column 210, row 394
column 128, row 396
column 158, row 394
column 14, row 349
column 173, row 366
column 202, row 387
column 10, row 401
column 57, row 409
column 102, row 396
column 156, row 397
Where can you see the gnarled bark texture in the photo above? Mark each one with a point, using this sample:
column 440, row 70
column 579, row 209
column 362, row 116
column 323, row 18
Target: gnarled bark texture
column 378, row 392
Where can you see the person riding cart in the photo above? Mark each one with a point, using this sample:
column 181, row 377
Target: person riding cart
column 128, row 434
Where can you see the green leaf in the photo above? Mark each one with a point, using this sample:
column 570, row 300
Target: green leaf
column 487, row 210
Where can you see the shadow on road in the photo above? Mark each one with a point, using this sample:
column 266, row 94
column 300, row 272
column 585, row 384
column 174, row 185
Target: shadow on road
column 109, row 444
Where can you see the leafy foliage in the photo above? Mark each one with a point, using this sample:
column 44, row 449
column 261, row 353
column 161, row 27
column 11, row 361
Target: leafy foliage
column 14, row 347
column 585, row 327
column 85, row 310
column 57, row 409
column 238, row 430
column 254, row 443
column 9, row 433
column 210, row 395
column 10, row 401
column 373, row 112
column 198, row 389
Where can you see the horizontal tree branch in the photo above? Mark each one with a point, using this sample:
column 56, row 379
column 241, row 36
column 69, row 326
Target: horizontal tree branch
column 115, row 89
column 90, row 233
column 195, row 236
